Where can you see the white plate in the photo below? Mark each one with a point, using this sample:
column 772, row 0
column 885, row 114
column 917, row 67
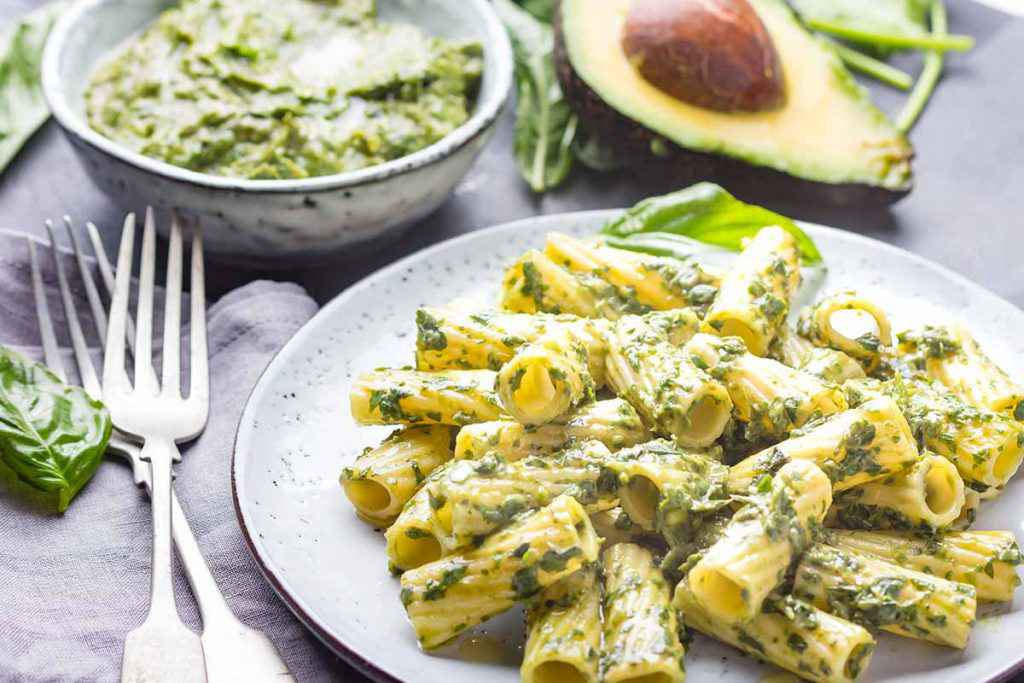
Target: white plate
column 296, row 434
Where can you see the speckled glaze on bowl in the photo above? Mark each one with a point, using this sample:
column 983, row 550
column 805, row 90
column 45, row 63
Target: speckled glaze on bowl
column 268, row 223
column 296, row 434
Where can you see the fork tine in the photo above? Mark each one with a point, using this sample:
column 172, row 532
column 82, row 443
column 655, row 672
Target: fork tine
column 199, row 378
column 107, row 277
column 99, row 315
column 171, row 384
column 51, row 353
column 86, row 371
column 114, row 376
column 144, row 312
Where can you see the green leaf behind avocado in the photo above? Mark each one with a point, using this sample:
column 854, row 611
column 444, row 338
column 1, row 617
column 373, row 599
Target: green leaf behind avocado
column 704, row 212
column 52, row 436
column 882, row 24
column 543, row 10
column 545, row 125
column 22, row 107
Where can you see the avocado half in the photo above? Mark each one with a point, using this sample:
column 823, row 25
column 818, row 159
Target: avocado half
column 827, row 143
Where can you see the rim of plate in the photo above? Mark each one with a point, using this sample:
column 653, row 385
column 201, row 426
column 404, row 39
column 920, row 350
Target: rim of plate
column 488, row 109
column 291, row 598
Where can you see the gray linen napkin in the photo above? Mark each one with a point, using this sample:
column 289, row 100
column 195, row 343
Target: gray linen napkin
column 72, row 586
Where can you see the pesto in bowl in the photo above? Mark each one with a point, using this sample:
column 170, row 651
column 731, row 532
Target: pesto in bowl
column 281, row 89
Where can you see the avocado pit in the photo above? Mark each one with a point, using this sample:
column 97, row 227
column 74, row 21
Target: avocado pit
column 714, row 54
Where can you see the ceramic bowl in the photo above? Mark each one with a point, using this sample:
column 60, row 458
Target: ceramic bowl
column 266, row 223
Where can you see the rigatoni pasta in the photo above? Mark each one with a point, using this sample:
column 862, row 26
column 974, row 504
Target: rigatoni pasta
column 445, row 597
column 384, row 478
column 641, row 640
column 536, row 284
column 398, row 396
column 547, row 378
column 951, row 355
column 880, row 594
column 926, row 497
column 818, row 323
column 593, row 280
column 661, row 485
column 416, row 537
column 613, row 422
column 987, row 447
column 736, row 574
column 789, row 633
column 647, row 283
column 674, row 397
column 853, row 447
column 772, row 399
column 453, row 339
column 987, row 560
column 825, row 363
column 755, row 293
column 475, row 497
column 563, row 631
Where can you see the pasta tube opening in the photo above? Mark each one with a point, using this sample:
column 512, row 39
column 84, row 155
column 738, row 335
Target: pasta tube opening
column 1008, row 461
column 942, row 484
column 554, row 671
column 416, row 548
column 708, row 418
column 848, row 322
column 368, row 497
column 926, row 497
column 639, row 498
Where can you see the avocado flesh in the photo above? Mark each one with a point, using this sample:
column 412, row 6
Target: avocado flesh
column 828, row 132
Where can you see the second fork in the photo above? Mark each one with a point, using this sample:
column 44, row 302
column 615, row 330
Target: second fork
column 162, row 648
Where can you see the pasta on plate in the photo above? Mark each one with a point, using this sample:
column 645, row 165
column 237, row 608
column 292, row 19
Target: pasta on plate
column 632, row 445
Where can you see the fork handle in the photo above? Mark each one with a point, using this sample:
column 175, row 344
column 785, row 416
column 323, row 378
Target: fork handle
column 232, row 650
column 160, row 453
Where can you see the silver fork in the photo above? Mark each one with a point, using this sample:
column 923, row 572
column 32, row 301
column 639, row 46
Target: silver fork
column 232, row 651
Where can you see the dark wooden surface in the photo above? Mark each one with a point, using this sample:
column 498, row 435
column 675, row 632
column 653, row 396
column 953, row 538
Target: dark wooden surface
column 965, row 211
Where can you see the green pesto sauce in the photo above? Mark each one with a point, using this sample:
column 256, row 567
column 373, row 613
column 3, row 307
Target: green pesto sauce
column 278, row 89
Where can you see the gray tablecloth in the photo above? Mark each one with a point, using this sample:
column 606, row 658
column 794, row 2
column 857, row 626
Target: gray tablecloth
column 72, row 586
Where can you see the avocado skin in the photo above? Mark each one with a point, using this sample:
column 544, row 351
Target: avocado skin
column 632, row 144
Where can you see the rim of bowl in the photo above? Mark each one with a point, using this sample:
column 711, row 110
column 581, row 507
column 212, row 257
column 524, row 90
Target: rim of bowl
column 487, row 111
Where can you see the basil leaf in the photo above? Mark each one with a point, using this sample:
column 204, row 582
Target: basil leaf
column 545, row 125
column 883, row 24
column 543, row 10
column 706, row 213
column 22, row 107
column 661, row 244
column 52, row 436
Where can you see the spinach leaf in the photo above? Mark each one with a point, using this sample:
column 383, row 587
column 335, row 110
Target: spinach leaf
column 885, row 24
column 543, row 10
column 22, row 107
column 704, row 212
column 52, row 436
column 545, row 125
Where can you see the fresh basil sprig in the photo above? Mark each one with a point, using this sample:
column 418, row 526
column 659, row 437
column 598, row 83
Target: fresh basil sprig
column 703, row 212
column 22, row 107
column 545, row 125
column 52, row 436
